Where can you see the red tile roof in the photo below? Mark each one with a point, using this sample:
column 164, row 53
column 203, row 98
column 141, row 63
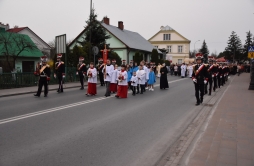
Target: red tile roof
column 16, row 30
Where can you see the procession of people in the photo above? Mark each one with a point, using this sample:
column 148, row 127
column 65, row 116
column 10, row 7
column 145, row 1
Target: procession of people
column 134, row 77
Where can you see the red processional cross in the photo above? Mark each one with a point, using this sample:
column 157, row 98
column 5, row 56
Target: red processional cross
column 105, row 54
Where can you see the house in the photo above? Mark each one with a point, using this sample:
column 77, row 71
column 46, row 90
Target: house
column 176, row 46
column 41, row 44
column 27, row 58
column 124, row 42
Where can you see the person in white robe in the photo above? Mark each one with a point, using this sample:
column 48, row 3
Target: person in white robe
column 183, row 70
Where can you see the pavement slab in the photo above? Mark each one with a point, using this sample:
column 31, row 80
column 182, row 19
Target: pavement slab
column 229, row 136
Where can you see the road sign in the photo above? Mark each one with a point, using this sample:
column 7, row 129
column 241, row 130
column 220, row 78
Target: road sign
column 251, row 55
column 95, row 50
column 251, row 49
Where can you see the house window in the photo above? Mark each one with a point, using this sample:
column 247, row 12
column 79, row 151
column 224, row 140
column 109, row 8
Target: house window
column 156, row 47
column 166, row 36
column 180, row 61
column 27, row 66
column 169, row 48
column 180, row 49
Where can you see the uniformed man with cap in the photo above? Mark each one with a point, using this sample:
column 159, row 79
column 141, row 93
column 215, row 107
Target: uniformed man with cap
column 81, row 71
column 100, row 71
column 210, row 71
column 44, row 74
column 199, row 77
column 60, row 72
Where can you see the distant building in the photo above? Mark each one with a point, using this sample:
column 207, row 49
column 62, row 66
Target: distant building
column 176, row 46
column 26, row 60
column 124, row 42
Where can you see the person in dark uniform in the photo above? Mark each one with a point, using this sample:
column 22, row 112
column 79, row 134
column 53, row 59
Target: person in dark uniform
column 60, row 72
column 199, row 77
column 215, row 75
column 223, row 73
column 81, row 71
column 219, row 77
column 210, row 70
column 44, row 74
column 100, row 71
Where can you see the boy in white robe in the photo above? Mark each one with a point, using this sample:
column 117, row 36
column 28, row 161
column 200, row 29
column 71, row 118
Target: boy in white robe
column 134, row 83
column 141, row 75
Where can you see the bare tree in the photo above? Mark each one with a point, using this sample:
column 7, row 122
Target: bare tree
column 12, row 45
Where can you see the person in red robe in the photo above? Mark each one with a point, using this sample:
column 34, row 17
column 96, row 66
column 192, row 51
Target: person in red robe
column 122, row 89
column 113, row 83
column 92, row 80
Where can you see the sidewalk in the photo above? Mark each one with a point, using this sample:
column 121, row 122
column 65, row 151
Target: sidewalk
column 229, row 137
column 33, row 89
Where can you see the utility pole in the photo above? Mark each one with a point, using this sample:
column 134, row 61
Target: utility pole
column 90, row 46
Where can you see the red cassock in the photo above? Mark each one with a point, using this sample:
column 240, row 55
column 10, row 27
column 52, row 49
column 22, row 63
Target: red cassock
column 122, row 91
column 91, row 88
column 113, row 87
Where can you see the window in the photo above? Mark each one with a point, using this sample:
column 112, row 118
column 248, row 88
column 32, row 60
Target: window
column 169, row 48
column 180, row 49
column 180, row 61
column 156, row 46
column 27, row 66
column 166, row 36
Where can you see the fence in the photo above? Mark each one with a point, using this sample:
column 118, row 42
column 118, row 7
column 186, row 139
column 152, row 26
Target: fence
column 17, row 80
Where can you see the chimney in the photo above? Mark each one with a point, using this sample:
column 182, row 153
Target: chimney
column 120, row 25
column 106, row 20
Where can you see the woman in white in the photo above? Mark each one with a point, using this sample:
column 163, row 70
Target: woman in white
column 190, row 70
column 92, row 80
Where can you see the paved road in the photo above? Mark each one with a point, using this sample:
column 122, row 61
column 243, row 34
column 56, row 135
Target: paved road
column 71, row 129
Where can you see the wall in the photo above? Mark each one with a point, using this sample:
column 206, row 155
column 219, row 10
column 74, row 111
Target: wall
column 174, row 36
column 18, row 64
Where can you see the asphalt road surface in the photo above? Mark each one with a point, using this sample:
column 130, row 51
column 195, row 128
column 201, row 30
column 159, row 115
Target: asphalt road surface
column 70, row 129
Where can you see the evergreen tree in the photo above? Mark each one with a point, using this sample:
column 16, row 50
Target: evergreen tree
column 99, row 34
column 138, row 57
column 234, row 49
column 248, row 43
column 155, row 56
column 204, row 50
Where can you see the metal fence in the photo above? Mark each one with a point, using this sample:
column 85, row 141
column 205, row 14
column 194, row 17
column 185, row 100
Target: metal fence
column 17, row 80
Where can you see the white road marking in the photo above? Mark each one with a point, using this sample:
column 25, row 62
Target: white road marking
column 15, row 118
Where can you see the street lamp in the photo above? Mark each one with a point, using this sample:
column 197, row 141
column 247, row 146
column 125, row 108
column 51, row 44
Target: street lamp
column 195, row 49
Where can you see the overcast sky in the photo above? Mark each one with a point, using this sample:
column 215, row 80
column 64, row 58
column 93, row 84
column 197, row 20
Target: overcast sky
column 210, row 20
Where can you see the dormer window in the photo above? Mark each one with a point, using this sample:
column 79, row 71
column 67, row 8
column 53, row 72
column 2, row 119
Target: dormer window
column 166, row 36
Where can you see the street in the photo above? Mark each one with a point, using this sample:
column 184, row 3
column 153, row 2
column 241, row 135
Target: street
column 72, row 129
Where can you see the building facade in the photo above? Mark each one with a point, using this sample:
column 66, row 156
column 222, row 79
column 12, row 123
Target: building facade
column 177, row 47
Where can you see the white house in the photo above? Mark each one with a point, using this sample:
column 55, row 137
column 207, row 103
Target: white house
column 124, row 42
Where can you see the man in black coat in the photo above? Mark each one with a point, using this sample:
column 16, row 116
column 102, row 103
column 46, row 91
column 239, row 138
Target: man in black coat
column 44, row 74
column 60, row 72
column 199, row 77
column 99, row 69
column 81, row 70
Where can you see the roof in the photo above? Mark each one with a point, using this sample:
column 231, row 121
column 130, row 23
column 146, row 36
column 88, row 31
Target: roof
column 168, row 28
column 13, row 48
column 16, row 30
column 131, row 39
